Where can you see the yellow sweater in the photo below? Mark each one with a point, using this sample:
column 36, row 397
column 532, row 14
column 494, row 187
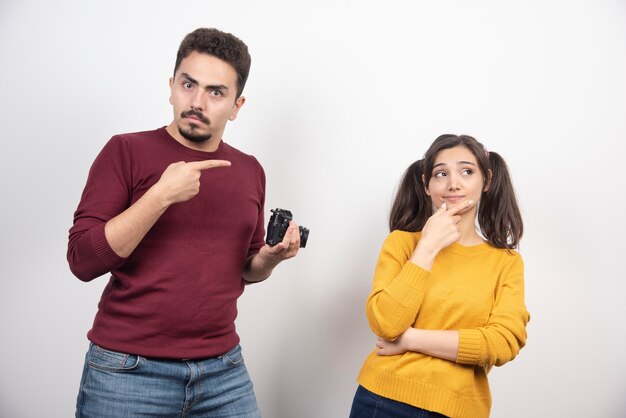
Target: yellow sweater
column 478, row 290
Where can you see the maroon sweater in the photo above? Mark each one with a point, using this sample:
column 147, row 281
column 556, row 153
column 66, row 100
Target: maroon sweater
column 176, row 295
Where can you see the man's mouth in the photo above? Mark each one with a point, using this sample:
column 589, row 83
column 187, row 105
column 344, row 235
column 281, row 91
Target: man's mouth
column 196, row 116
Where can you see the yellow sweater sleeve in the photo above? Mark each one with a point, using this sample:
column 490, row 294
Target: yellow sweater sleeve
column 504, row 335
column 398, row 289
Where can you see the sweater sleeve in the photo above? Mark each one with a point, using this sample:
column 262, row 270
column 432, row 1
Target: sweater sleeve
column 258, row 237
column 504, row 335
column 106, row 194
column 397, row 292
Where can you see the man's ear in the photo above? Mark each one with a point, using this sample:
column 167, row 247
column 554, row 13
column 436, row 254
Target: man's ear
column 171, row 85
column 238, row 104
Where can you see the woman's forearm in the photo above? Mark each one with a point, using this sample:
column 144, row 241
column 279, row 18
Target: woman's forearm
column 443, row 344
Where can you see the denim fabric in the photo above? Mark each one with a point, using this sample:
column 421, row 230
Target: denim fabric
column 367, row 404
column 120, row 385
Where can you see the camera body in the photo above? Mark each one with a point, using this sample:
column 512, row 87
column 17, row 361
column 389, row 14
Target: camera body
column 277, row 226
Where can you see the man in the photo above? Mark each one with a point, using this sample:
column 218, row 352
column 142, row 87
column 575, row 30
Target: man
column 176, row 215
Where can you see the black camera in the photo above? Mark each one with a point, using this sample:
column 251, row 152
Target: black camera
column 277, row 226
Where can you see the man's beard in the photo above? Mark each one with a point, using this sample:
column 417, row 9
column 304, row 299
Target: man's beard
column 191, row 134
column 194, row 136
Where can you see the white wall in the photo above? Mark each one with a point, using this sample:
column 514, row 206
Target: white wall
column 342, row 96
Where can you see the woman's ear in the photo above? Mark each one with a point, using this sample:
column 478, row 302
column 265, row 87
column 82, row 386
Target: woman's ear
column 425, row 187
column 488, row 180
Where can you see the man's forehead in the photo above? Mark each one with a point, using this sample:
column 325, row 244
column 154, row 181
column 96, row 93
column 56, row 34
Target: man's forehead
column 207, row 69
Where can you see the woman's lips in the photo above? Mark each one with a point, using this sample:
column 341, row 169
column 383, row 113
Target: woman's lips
column 453, row 199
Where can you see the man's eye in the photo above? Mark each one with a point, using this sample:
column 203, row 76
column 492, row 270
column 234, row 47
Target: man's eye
column 216, row 93
column 187, row 85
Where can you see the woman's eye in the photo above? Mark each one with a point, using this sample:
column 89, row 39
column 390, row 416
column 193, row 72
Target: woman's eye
column 467, row 171
column 439, row 174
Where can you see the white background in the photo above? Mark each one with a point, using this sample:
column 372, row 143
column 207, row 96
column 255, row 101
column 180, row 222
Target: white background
column 342, row 97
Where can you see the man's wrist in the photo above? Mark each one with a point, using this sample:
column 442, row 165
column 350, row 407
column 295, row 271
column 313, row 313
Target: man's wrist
column 156, row 195
column 267, row 261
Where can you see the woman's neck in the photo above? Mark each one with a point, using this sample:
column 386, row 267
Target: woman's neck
column 467, row 229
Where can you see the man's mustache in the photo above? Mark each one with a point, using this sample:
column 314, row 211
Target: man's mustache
column 197, row 114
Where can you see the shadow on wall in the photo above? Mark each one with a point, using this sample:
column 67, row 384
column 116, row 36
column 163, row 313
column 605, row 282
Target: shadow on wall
column 318, row 369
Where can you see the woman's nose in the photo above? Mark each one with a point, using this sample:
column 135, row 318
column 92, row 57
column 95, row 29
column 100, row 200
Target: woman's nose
column 453, row 183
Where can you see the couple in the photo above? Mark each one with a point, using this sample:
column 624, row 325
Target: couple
column 176, row 216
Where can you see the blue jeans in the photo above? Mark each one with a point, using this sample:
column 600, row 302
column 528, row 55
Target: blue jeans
column 121, row 385
column 367, row 404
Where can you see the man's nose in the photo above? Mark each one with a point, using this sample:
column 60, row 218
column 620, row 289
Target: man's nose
column 198, row 101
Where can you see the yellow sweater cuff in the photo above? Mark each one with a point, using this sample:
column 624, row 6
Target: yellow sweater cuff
column 470, row 342
column 414, row 275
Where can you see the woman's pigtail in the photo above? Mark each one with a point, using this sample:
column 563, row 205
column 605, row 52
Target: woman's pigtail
column 411, row 206
column 498, row 215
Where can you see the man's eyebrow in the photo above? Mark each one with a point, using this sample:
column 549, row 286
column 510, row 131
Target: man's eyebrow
column 209, row 87
column 216, row 87
column 189, row 78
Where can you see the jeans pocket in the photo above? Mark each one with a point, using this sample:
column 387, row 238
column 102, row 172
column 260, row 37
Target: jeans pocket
column 112, row 361
column 234, row 357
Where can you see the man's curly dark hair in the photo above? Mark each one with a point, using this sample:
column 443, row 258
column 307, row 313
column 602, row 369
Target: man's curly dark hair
column 222, row 45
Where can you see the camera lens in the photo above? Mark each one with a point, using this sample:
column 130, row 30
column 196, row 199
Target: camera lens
column 304, row 236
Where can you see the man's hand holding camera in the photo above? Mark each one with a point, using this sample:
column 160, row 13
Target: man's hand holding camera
column 284, row 239
column 259, row 267
column 288, row 247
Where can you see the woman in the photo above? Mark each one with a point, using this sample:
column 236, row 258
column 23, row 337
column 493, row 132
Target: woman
column 447, row 301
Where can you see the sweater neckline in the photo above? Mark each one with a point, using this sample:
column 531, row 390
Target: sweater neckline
column 469, row 250
column 192, row 152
